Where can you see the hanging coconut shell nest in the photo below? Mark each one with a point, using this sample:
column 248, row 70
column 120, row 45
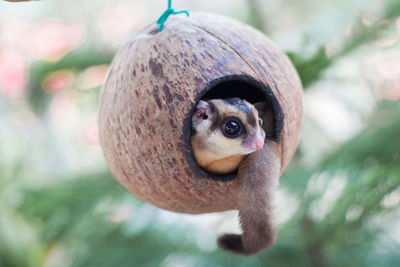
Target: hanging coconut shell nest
column 150, row 93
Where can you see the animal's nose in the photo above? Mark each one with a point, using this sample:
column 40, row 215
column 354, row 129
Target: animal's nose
column 259, row 142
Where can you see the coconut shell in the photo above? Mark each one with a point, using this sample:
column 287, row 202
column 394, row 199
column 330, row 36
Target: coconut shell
column 152, row 87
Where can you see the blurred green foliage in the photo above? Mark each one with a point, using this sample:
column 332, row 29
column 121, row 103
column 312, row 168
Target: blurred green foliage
column 72, row 215
column 311, row 68
column 76, row 61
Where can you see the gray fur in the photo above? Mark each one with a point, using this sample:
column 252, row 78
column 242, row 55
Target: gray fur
column 259, row 177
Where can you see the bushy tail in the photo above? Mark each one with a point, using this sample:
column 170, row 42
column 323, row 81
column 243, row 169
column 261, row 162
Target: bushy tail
column 258, row 178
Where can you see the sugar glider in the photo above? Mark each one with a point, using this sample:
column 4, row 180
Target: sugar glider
column 228, row 135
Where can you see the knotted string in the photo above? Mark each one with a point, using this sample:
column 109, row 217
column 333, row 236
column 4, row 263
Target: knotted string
column 167, row 13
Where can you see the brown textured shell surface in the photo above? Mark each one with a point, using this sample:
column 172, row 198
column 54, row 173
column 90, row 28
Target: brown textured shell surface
column 152, row 86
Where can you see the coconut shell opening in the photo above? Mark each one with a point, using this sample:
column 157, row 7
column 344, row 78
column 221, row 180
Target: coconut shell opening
column 248, row 88
column 244, row 87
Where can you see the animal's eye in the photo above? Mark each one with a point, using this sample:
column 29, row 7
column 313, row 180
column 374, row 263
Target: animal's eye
column 260, row 121
column 232, row 128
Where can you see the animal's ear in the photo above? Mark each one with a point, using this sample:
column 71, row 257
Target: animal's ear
column 260, row 106
column 203, row 111
column 266, row 112
column 202, row 105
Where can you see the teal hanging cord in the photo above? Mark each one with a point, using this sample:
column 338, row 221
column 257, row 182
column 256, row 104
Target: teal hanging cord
column 166, row 14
